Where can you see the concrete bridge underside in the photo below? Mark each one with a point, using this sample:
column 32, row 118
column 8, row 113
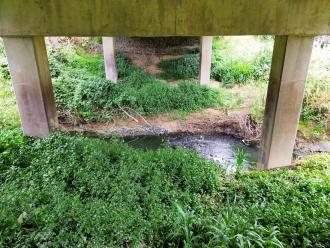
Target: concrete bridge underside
column 23, row 25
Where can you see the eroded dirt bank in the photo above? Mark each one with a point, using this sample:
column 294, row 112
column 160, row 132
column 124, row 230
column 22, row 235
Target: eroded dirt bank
column 236, row 123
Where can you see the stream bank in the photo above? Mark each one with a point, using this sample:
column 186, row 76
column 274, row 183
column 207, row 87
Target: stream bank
column 212, row 133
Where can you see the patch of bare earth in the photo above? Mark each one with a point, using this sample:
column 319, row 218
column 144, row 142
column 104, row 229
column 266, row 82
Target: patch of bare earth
column 149, row 62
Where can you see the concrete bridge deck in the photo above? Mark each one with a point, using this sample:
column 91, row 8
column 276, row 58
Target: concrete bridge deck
column 163, row 17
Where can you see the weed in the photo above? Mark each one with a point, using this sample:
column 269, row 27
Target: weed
column 8, row 109
column 316, row 100
column 184, row 230
column 230, row 67
column 186, row 67
column 240, row 156
column 257, row 110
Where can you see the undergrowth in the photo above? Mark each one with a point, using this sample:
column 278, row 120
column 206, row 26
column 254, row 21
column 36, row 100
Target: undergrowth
column 81, row 90
column 8, row 108
column 227, row 67
column 186, row 67
column 73, row 191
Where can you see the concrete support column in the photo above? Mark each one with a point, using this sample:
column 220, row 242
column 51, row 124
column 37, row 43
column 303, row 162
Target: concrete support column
column 205, row 59
column 110, row 59
column 290, row 63
column 28, row 64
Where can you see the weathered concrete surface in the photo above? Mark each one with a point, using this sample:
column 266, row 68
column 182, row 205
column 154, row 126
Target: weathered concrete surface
column 290, row 63
column 163, row 17
column 110, row 59
column 28, row 63
column 205, row 60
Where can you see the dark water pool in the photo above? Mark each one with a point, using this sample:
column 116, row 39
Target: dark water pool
column 219, row 148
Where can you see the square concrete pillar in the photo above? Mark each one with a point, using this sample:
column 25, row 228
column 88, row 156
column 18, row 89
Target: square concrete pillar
column 29, row 69
column 110, row 59
column 205, row 59
column 289, row 69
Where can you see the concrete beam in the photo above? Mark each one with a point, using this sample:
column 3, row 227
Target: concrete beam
column 205, row 59
column 146, row 18
column 290, row 63
column 28, row 64
column 110, row 59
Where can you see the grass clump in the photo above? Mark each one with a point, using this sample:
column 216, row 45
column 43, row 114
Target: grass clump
column 231, row 67
column 316, row 104
column 75, row 191
column 186, row 67
column 316, row 101
column 4, row 69
column 8, row 109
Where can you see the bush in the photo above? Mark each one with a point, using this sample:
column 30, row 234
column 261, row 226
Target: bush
column 186, row 67
column 231, row 71
column 4, row 69
column 261, row 65
column 315, row 101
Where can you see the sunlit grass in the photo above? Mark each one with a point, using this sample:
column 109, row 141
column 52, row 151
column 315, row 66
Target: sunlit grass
column 8, row 108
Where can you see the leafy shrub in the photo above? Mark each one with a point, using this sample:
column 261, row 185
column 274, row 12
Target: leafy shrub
column 186, row 67
column 10, row 141
column 231, row 71
column 238, row 61
column 315, row 100
column 286, row 199
column 4, row 70
column 262, row 64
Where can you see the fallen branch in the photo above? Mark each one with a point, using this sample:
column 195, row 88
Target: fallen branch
column 146, row 122
column 136, row 120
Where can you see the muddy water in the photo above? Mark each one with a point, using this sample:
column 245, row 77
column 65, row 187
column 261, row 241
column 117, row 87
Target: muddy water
column 219, row 148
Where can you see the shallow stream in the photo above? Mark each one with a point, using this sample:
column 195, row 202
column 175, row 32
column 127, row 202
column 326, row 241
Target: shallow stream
column 219, row 148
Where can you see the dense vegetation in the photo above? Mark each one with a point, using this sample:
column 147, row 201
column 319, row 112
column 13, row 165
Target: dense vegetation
column 226, row 68
column 8, row 108
column 72, row 191
column 82, row 91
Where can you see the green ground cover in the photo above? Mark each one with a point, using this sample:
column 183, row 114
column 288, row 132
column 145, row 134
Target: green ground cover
column 82, row 91
column 73, row 191
column 8, row 109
